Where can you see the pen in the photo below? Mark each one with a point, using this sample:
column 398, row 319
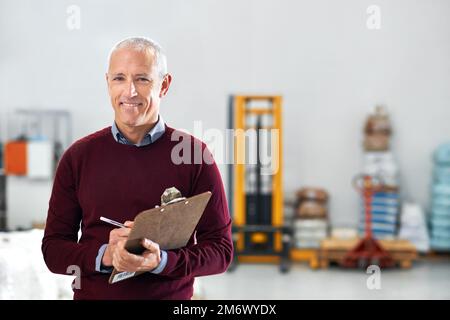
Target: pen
column 113, row 222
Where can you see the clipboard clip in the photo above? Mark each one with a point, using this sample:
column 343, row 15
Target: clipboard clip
column 171, row 195
column 175, row 200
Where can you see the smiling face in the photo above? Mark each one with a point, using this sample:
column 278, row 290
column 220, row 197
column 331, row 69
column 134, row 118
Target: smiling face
column 135, row 87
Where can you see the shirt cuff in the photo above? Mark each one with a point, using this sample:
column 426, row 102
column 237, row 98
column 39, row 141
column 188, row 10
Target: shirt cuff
column 162, row 264
column 98, row 261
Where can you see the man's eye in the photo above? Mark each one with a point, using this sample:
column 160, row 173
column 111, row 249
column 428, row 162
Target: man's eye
column 118, row 78
column 143, row 79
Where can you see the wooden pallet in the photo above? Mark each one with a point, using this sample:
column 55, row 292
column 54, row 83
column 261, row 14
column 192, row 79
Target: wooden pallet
column 311, row 256
column 334, row 250
column 434, row 255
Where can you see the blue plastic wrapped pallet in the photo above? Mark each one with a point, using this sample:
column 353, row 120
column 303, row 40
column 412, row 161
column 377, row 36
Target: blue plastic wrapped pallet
column 440, row 199
column 384, row 215
column 442, row 155
column 441, row 174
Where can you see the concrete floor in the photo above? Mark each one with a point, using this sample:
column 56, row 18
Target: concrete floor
column 425, row 280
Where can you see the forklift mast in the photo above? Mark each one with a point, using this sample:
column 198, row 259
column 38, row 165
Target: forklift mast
column 255, row 192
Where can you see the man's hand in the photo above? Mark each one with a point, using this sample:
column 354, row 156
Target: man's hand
column 122, row 260
column 115, row 236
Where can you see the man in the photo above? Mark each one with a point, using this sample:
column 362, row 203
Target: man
column 122, row 170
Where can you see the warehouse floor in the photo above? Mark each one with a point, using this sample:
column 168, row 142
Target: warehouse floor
column 425, row 280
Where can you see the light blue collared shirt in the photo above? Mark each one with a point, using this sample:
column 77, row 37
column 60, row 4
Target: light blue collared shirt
column 154, row 134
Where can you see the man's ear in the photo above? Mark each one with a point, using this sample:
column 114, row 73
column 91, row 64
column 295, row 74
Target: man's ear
column 165, row 85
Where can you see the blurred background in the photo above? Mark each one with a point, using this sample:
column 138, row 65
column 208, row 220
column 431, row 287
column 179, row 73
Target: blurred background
column 358, row 90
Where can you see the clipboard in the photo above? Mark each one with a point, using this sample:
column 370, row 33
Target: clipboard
column 171, row 226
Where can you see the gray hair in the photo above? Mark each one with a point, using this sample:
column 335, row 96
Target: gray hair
column 144, row 44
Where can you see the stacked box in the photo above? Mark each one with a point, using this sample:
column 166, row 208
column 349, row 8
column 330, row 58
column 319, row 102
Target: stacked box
column 377, row 131
column 383, row 166
column 385, row 204
column 384, row 212
column 413, row 226
column 308, row 233
column 440, row 203
column 380, row 164
column 310, row 223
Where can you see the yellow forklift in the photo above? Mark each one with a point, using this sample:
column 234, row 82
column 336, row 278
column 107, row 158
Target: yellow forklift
column 255, row 189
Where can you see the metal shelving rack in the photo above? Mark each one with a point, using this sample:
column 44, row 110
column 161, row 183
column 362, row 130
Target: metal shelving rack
column 55, row 125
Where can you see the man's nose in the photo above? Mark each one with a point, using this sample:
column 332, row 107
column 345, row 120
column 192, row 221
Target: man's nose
column 131, row 90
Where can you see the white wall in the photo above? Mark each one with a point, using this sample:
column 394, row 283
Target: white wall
column 329, row 67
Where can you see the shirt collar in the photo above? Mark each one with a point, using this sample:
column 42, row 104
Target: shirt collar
column 154, row 134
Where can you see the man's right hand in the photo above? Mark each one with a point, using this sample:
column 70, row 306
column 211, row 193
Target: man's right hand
column 114, row 237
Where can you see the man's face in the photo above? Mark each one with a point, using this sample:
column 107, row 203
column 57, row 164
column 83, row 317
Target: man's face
column 135, row 87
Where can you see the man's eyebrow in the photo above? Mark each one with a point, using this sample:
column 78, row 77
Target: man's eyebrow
column 136, row 75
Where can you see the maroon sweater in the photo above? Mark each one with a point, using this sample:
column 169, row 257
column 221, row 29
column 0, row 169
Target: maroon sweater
column 99, row 177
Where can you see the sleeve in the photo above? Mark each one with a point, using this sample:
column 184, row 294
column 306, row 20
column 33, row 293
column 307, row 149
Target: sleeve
column 162, row 264
column 60, row 246
column 213, row 251
column 98, row 261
